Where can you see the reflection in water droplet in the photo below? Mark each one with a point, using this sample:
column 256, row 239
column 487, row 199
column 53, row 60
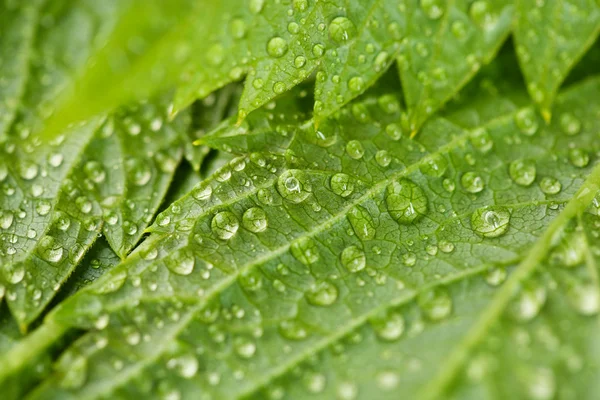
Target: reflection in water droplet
column 322, row 294
column 224, row 225
column 353, row 259
column 405, row 201
column 472, row 182
column 342, row 184
column 277, row 47
column 491, row 222
column 522, row 172
column 341, row 29
column 255, row 220
column 294, row 186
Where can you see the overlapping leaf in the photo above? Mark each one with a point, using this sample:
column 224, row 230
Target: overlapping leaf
column 279, row 273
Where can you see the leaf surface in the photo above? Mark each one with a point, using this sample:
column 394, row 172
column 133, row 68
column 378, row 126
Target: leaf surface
column 303, row 263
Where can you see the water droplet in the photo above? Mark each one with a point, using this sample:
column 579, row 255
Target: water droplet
column 383, row 158
column 50, row 250
column 299, row 61
column 323, row 294
column 256, row 6
column 237, row 28
column 388, row 380
column 347, row 391
column 406, row 201
column 314, row 382
column 526, row 121
column 94, row 171
column 541, row 384
column 342, row 184
column 585, row 299
column 202, row 193
column 255, row 219
column 55, row 160
column 434, row 9
column 528, row 303
column 362, row 223
column 14, row 273
column 355, row 149
column 251, row 280
column 224, row 225
column 491, row 222
column 341, row 29
column 393, row 131
column 446, row 247
column 481, row 140
column 6, row 219
column 472, row 182
column 356, row 84
column 182, row 266
column 388, row 326
column 277, row 47
column 305, row 250
column 76, row 373
column 550, row 185
column 436, row 304
column 579, row 158
column 496, row 276
column 481, row 14
column 186, row 365
column 279, row 87
column 244, row 347
column 28, row 170
column 139, row 171
column 293, row 330
column 294, row 186
column 353, row 259
column 522, row 172
column 435, row 166
column 569, row 124
column 318, row 50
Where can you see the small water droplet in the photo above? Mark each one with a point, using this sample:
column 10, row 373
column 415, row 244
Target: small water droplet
column 383, row 158
column 305, row 250
column 472, row 182
column 356, row 84
column 434, row 9
column 526, row 121
column 341, row 30
column 224, row 225
column 294, row 186
column 388, row 326
column 323, row 294
column 569, row 124
column 528, row 303
column 244, row 347
column 94, row 171
column 277, row 47
column 362, row 223
column 353, row 259
column 355, row 149
column 522, row 172
column 436, row 304
column 579, row 158
column 550, row 185
column 491, row 222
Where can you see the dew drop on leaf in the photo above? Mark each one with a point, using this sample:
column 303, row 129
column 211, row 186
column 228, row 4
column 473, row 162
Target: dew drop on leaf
column 256, row 6
column 491, row 222
column 294, row 186
column 323, row 294
column 481, row 140
column 314, row 382
column 255, row 219
column 388, row 326
column 526, row 121
column 139, row 171
column 550, row 185
column 277, row 47
column 353, row 259
column 362, row 223
column 305, row 250
column 579, row 158
column 28, row 170
column 472, row 182
column 76, row 373
column 224, row 225
column 393, row 131
column 50, row 250
column 406, row 201
column 202, row 193
column 388, row 380
column 182, row 266
column 355, row 149
column 383, row 158
column 522, row 172
column 342, row 184
column 569, row 124
column 341, row 30
column 356, row 84
column 6, row 219
column 435, row 166
column 244, row 347
column 293, row 330
column 585, row 299
column 434, row 9
column 436, row 304
column 496, row 276
column 528, row 303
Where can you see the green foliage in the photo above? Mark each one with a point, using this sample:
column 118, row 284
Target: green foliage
column 167, row 232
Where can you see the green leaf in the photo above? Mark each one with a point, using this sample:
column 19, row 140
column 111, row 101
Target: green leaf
column 351, row 44
column 358, row 264
column 551, row 36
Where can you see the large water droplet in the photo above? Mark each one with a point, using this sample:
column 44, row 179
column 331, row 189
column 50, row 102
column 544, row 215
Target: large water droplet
column 362, row 223
column 341, row 29
column 50, row 250
column 294, row 186
column 342, row 184
column 355, row 149
column 388, row 326
column 182, row 266
column 6, row 219
column 353, row 259
column 224, row 225
column 255, row 219
column 435, row 166
column 491, row 222
column 305, row 250
column 526, row 121
column 406, row 201
column 436, row 304
column 579, row 158
column 472, row 182
column 522, row 172
column 277, row 47
column 323, row 294
column 76, row 373
column 550, row 185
